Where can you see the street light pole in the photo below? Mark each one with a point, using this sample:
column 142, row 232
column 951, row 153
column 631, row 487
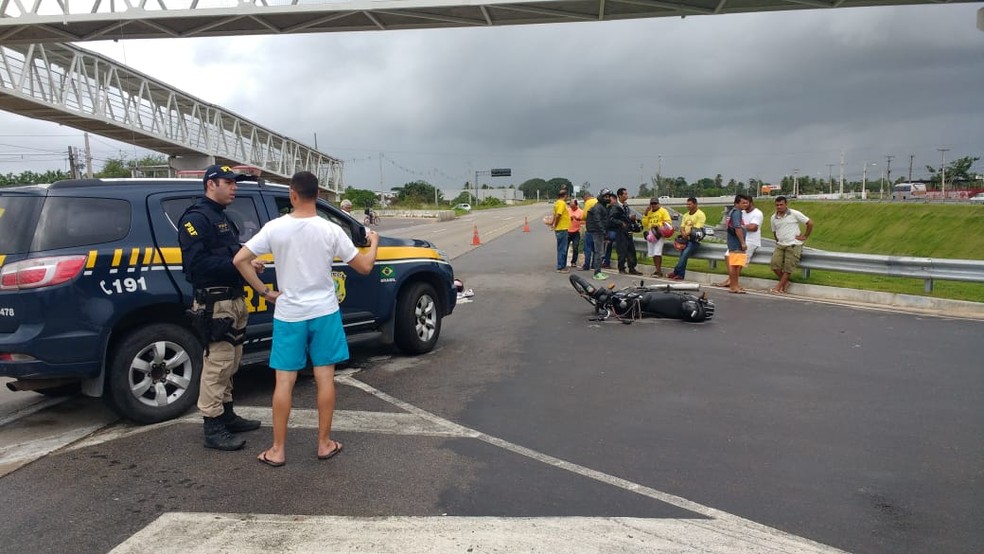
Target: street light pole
column 864, row 177
column 796, row 183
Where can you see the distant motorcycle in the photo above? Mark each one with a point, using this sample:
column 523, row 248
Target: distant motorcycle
column 372, row 218
column 674, row 301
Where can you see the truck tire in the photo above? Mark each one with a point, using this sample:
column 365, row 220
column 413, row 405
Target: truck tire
column 153, row 373
column 417, row 319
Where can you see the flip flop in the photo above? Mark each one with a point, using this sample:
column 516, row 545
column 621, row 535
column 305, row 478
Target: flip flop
column 263, row 459
column 776, row 291
column 336, row 450
column 722, row 285
column 739, row 291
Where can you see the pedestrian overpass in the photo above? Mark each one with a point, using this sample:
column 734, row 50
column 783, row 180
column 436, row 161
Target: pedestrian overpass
column 44, row 78
column 31, row 21
column 66, row 84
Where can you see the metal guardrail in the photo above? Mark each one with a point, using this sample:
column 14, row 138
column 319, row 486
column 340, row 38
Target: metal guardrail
column 927, row 269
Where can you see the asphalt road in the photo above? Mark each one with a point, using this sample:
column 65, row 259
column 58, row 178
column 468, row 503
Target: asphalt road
column 858, row 429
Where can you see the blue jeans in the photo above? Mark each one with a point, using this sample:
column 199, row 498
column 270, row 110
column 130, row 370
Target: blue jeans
column 609, row 243
column 574, row 239
column 561, row 248
column 681, row 266
column 588, row 250
column 598, row 238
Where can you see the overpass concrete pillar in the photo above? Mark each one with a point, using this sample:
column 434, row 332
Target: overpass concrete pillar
column 190, row 163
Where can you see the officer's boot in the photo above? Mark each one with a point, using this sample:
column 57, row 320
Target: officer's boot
column 234, row 423
column 218, row 437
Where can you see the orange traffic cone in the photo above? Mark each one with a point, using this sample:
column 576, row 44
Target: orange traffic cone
column 475, row 239
column 526, row 225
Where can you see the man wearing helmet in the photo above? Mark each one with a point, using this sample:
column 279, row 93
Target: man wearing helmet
column 597, row 226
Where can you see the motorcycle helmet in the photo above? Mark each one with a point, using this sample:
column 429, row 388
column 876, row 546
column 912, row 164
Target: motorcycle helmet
column 680, row 243
column 697, row 234
column 666, row 230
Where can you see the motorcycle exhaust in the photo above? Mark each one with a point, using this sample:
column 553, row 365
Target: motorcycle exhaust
column 675, row 286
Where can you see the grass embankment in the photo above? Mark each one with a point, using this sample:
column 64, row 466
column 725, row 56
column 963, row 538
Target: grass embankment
column 896, row 229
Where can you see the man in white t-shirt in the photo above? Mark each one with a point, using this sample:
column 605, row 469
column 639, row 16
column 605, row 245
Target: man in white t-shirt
column 306, row 317
column 751, row 220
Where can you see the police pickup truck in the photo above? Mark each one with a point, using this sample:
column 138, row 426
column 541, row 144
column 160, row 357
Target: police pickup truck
column 92, row 292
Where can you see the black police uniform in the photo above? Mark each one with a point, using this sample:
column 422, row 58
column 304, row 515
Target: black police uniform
column 209, row 240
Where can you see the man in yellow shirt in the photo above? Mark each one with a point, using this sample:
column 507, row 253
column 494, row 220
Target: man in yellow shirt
column 691, row 229
column 561, row 223
column 589, row 202
column 654, row 220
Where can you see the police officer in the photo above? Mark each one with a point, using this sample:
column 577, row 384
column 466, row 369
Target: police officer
column 209, row 240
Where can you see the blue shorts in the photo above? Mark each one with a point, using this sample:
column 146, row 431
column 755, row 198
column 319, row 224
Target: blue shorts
column 323, row 338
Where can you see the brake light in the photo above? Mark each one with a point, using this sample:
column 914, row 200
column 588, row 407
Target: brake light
column 15, row 357
column 41, row 272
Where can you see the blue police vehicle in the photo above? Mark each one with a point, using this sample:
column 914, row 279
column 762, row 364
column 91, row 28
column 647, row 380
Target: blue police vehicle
column 92, row 293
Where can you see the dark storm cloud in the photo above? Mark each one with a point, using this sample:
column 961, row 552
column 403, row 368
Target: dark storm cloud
column 751, row 95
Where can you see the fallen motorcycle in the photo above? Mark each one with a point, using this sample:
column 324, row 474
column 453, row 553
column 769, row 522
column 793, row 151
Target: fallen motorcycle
column 672, row 300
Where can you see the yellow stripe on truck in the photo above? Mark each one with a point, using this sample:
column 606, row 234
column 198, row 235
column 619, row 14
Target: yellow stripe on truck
column 390, row 253
column 172, row 255
column 91, row 262
column 2, row 258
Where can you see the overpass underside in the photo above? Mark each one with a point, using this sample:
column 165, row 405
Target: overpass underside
column 44, row 79
column 31, row 21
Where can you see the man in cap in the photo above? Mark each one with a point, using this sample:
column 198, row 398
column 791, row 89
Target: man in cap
column 560, row 223
column 209, row 240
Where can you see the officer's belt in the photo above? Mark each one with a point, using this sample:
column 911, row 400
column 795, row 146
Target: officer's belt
column 209, row 295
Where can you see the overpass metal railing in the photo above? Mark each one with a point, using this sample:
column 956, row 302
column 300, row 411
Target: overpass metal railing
column 927, row 269
column 82, row 89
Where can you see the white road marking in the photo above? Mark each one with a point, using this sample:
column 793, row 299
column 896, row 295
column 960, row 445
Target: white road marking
column 33, row 408
column 201, row 533
column 344, row 420
column 740, row 529
column 717, row 531
column 36, row 448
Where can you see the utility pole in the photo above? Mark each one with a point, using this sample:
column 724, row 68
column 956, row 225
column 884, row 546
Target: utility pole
column 73, row 169
column 88, row 157
column 888, row 169
column 830, row 177
column 909, row 179
column 380, row 179
column 842, row 175
column 943, row 152
column 795, row 182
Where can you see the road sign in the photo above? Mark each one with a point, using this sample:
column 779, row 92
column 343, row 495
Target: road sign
column 502, row 172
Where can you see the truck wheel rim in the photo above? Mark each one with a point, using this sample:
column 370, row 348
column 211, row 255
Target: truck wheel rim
column 160, row 374
column 425, row 313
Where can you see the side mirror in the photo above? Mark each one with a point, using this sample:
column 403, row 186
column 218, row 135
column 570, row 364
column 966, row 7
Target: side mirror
column 359, row 232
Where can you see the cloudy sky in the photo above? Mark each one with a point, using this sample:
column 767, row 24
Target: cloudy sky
column 610, row 103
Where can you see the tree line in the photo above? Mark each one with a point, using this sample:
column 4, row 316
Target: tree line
column 112, row 168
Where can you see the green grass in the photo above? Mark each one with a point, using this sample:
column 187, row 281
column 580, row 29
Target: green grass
column 896, row 229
